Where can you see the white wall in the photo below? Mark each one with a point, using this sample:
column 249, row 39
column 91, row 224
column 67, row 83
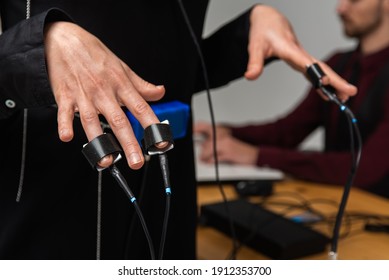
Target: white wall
column 279, row 88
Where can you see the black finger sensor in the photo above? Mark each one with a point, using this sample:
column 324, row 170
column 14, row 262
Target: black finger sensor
column 157, row 133
column 315, row 75
column 103, row 145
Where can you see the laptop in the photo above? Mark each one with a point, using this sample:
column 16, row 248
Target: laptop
column 233, row 173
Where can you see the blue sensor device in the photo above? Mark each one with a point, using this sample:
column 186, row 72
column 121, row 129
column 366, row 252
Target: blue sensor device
column 176, row 112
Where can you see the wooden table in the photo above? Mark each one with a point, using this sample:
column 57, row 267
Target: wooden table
column 359, row 244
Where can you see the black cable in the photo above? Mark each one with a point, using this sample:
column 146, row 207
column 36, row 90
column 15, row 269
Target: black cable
column 164, row 228
column 353, row 127
column 315, row 74
column 207, row 88
column 123, row 184
column 140, row 199
column 143, row 185
column 166, row 180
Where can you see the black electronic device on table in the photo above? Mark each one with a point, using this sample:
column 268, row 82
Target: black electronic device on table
column 265, row 231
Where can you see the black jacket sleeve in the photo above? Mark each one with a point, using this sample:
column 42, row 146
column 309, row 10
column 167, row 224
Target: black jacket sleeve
column 23, row 77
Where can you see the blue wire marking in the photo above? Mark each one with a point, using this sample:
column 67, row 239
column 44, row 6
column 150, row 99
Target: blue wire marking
column 168, row 190
column 354, row 120
column 133, row 199
column 343, row 108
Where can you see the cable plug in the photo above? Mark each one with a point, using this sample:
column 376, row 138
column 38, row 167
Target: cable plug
column 165, row 172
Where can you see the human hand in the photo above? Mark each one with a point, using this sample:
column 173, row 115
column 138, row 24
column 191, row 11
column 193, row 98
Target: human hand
column 86, row 77
column 272, row 35
column 229, row 149
column 204, row 130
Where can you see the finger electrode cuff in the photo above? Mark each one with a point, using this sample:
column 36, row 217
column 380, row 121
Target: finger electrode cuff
column 315, row 74
column 101, row 146
column 157, row 133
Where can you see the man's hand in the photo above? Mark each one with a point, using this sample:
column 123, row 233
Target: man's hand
column 229, row 149
column 86, row 77
column 271, row 35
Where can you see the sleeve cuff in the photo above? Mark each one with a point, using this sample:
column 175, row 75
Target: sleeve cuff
column 24, row 80
column 270, row 157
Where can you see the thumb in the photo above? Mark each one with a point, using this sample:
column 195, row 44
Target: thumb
column 255, row 63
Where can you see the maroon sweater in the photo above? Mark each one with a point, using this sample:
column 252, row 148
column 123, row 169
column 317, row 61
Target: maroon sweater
column 278, row 140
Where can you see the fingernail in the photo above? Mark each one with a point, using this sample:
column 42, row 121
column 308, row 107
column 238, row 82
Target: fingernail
column 63, row 131
column 135, row 158
column 160, row 87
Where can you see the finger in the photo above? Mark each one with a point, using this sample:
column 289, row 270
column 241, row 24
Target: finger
column 297, row 56
column 140, row 89
column 255, row 63
column 221, row 158
column 206, row 153
column 139, row 108
column 149, row 91
column 202, row 128
column 133, row 97
column 106, row 161
column 92, row 127
column 90, row 121
column 65, row 116
column 343, row 88
column 142, row 111
column 121, row 127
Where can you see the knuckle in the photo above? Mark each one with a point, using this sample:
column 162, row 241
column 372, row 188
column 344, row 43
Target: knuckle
column 117, row 120
column 63, row 94
column 117, row 76
column 98, row 85
column 89, row 116
column 140, row 108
